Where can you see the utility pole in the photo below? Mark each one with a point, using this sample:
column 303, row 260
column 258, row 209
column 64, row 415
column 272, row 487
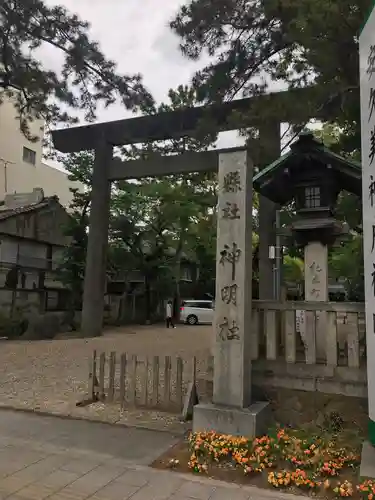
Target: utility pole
column 279, row 259
column 6, row 163
column 276, row 254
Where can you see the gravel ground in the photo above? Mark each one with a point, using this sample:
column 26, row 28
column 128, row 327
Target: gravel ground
column 52, row 376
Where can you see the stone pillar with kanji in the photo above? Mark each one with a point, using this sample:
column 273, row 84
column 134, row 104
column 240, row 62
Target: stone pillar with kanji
column 233, row 410
column 316, row 290
column 316, row 272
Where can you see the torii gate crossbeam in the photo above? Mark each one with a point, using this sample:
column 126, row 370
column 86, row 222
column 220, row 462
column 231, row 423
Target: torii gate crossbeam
column 102, row 137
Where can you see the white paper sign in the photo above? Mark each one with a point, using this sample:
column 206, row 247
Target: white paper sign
column 301, row 324
column 367, row 82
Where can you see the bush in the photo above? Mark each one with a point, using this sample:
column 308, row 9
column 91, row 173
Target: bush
column 46, row 326
column 12, row 327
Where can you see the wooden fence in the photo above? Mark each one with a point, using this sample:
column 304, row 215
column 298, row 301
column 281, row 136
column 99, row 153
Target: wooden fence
column 331, row 333
column 325, row 354
column 148, row 382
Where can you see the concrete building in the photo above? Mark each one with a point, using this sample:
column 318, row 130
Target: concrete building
column 21, row 165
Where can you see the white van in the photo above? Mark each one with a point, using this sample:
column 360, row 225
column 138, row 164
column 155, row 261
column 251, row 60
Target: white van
column 194, row 312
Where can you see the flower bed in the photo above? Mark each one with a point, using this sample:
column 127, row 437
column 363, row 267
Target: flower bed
column 284, row 459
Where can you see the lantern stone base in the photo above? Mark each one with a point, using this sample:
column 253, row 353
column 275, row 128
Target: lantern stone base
column 250, row 422
column 367, row 460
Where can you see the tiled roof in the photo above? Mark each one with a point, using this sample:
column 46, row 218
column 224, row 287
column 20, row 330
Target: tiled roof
column 310, row 145
column 268, row 182
column 11, row 212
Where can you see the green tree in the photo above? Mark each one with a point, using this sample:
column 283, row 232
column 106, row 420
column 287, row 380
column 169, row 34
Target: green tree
column 155, row 223
column 346, row 258
column 295, row 42
column 293, row 270
column 87, row 80
column 349, row 206
column 178, row 209
column 346, row 262
column 139, row 234
column 71, row 269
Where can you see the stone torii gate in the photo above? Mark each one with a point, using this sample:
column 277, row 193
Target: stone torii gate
column 233, row 411
column 103, row 137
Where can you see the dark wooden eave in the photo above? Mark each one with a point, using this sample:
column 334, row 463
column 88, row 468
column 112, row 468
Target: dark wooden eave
column 175, row 124
column 272, row 183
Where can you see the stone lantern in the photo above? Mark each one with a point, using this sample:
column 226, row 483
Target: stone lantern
column 311, row 177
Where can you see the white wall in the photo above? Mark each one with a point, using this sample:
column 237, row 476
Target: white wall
column 55, row 182
column 19, row 176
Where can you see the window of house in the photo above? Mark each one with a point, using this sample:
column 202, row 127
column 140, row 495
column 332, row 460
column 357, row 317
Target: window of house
column 312, row 197
column 52, row 300
column 186, row 274
column 29, row 156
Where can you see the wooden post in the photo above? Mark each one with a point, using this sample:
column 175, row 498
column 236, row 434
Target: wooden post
column 155, row 380
column 331, row 348
column 167, row 380
column 179, row 375
column 92, row 377
column 271, row 334
column 353, row 340
column 191, row 397
column 133, row 381
column 122, row 379
column 290, row 336
column 144, row 384
column 112, row 370
column 102, row 376
column 310, row 347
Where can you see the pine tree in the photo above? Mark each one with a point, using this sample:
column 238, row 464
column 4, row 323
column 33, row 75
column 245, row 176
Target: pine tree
column 87, row 78
column 292, row 42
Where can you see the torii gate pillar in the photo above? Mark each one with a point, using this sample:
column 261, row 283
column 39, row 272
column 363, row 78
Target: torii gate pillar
column 96, row 256
column 269, row 142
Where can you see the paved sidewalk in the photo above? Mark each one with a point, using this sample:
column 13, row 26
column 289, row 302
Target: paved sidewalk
column 49, row 458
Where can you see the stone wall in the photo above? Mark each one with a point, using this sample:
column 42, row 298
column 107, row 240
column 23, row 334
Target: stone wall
column 300, row 408
column 340, row 380
column 296, row 408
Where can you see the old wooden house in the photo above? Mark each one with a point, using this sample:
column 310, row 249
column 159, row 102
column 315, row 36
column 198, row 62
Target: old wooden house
column 32, row 239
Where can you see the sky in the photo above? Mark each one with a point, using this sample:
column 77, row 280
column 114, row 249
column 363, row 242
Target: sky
column 135, row 34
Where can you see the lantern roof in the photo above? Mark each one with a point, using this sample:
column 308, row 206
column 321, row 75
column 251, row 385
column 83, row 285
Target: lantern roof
column 307, row 153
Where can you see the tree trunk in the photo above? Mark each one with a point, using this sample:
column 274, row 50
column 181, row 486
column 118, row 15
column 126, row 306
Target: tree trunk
column 177, row 295
column 120, row 312
column 148, row 300
column 13, row 303
column 74, row 298
column 177, row 301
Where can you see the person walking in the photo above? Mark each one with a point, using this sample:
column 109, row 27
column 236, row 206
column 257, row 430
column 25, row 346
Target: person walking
column 168, row 314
